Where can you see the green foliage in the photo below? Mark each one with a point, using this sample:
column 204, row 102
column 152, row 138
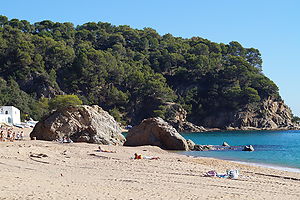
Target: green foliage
column 251, row 95
column 296, row 119
column 11, row 95
column 61, row 101
column 132, row 73
column 160, row 112
column 116, row 114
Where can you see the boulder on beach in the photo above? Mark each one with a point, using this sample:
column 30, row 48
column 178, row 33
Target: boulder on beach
column 81, row 124
column 156, row 132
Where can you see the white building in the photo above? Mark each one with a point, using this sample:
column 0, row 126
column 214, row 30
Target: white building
column 10, row 115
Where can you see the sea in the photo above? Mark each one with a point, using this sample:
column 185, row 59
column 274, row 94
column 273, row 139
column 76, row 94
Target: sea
column 274, row 149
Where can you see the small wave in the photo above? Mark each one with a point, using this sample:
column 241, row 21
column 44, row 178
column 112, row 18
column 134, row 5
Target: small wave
column 288, row 169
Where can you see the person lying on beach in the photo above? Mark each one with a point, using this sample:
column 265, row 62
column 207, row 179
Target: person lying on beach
column 139, row 156
column 107, row 151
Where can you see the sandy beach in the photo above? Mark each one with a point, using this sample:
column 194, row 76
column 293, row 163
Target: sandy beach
column 51, row 170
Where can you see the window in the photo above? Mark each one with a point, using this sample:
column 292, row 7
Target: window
column 6, row 112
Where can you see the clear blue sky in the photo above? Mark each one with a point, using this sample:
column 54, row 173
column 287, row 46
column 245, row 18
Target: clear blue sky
column 272, row 26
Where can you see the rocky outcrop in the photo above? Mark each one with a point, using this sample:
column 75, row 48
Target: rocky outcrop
column 156, row 132
column 267, row 115
column 248, row 148
column 225, row 144
column 80, row 123
column 271, row 115
column 177, row 118
column 190, row 144
column 198, row 147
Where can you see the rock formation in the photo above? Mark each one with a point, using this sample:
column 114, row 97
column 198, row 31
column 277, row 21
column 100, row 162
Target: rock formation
column 248, row 148
column 80, row 123
column 156, row 132
column 177, row 118
column 225, row 144
column 268, row 115
column 191, row 144
column 198, row 147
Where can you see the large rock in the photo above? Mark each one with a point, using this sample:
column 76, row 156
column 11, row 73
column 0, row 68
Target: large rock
column 156, row 132
column 80, row 123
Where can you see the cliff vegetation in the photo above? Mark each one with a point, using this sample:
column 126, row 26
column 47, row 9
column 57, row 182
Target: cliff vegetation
column 134, row 74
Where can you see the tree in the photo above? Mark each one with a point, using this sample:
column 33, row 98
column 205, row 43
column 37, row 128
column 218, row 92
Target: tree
column 61, row 101
column 296, row 119
column 3, row 20
column 251, row 95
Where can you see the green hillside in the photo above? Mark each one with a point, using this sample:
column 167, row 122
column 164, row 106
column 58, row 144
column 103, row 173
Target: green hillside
column 131, row 73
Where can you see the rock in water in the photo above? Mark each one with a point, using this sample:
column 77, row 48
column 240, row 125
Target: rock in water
column 198, row 147
column 248, row 148
column 156, row 132
column 191, row 144
column 225, row 144
column 80, row 123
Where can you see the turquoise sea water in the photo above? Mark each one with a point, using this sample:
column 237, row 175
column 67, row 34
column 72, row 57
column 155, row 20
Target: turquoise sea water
column 273, row 148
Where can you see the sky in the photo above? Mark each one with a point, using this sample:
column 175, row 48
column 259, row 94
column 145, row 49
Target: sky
column 272, row 26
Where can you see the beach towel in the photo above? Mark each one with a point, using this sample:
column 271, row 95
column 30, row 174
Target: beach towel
column 212, row 173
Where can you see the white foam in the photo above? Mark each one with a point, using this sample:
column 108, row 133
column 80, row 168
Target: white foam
column 271, row 166
column 288, row 169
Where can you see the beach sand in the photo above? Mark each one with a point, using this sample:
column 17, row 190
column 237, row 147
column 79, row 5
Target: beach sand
column 49, row 170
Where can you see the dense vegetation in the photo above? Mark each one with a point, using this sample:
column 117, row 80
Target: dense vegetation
column 131, row 73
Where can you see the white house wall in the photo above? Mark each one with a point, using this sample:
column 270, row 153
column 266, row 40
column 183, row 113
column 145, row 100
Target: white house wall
column 4, row 119
column 10, row 114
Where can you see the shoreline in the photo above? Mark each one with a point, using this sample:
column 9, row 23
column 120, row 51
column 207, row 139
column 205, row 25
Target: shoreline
column 270, row 166
column 211, row 130
column 256, row 164
column 275, row 161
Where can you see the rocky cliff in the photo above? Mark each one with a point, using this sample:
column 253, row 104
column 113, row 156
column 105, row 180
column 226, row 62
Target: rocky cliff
column 267, row 115
column 177, row 118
